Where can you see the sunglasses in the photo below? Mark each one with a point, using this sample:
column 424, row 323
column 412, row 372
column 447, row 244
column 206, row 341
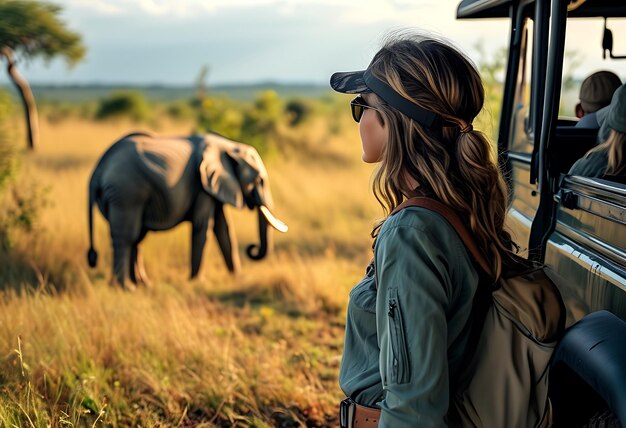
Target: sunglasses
column 358, row 106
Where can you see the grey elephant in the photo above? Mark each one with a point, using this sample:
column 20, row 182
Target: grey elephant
column 147, row 183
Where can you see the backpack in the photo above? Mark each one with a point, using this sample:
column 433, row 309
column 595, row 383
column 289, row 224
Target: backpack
column 517, row 324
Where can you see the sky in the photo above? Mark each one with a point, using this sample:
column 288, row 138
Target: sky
column 249, row 41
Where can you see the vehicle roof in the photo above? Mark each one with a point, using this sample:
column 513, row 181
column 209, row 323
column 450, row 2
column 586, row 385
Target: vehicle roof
column 468, row 9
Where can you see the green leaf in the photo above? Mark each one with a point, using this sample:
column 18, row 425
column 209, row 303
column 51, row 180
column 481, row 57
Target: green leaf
column 90, row 403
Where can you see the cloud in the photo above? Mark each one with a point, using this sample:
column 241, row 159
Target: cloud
column 348, row 11
column 399, row 12
column 101, row 6
column 173, row 8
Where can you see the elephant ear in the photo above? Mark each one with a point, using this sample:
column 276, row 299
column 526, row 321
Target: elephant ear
column 217, row 173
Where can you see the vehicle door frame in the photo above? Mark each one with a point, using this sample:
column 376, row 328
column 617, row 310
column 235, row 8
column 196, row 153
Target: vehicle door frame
column 545, row 218
column 540, row 15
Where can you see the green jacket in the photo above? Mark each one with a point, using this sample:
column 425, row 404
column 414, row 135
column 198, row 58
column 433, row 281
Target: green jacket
column 405, row 339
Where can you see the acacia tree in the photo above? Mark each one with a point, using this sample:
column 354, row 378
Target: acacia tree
column 31, row 29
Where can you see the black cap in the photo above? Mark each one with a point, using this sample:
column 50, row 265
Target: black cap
column 349, row 82
column 362, row 82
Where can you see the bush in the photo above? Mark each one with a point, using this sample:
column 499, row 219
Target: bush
column 257, row 124
column 297, row 111
column 220, row 115
column 270, row 125
column 180, row 110
column 262, row 121
column 20, row 203
column 8, row 158
column 130, row 104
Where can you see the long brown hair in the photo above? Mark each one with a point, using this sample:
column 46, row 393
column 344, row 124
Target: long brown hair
column 451, row 166
column 615, row 148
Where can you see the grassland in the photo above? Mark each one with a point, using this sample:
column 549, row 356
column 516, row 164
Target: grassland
column 259, row 349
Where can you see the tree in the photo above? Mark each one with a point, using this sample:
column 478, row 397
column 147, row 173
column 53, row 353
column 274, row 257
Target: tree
column 132, row 104
column 31, row 29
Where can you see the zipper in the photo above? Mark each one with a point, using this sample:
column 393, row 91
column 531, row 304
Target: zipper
column 400, row 372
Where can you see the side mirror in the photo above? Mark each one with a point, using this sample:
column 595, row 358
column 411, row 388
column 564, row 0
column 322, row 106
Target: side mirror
column 607, row 43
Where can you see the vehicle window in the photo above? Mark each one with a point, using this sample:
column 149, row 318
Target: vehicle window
column 583, row 58
column 520, row 125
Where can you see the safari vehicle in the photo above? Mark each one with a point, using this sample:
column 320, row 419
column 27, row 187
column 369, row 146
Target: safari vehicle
column 575, row 225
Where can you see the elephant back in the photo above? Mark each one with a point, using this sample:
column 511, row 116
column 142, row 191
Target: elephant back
column 165, row 160
column 170, row 168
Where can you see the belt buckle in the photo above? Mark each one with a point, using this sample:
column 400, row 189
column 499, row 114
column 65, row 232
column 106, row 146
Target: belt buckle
column 346, row 413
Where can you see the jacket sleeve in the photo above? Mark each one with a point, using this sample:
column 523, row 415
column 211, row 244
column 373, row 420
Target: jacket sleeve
column 413, row 281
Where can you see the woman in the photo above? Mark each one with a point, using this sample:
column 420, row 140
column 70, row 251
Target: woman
column 608, row 160
column 409, row 318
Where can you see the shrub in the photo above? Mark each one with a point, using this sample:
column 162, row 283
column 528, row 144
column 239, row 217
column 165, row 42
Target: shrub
column 261, row 122
column 130, row 104
column 180, row 110
column 8, row 156
column 297, row 111
column 220, row 115
column 20, row 203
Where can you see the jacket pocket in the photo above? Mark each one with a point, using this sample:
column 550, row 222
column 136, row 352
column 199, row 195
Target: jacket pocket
column 400, row 369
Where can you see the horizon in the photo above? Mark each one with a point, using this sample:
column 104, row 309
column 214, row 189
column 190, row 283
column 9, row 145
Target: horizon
column 169, row 85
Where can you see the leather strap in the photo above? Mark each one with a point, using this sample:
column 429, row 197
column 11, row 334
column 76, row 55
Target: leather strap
column 365, row 417
column 454, row 221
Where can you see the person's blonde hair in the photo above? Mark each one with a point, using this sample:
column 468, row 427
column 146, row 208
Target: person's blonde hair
column 614, row 146
column 451, row 166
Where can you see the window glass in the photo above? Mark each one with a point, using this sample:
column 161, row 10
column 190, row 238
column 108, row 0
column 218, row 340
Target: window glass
column 583, row 57
column 521, row 104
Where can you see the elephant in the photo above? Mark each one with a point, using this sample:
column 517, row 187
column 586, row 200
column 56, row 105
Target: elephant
column 144, row 183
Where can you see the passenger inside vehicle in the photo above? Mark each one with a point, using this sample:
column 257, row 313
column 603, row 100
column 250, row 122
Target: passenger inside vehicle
column 608, row 159
column 595, row 93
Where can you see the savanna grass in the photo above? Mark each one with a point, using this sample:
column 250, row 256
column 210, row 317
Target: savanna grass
column 260, row 349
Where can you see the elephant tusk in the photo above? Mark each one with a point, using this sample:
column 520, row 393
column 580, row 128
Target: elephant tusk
column 276, row 223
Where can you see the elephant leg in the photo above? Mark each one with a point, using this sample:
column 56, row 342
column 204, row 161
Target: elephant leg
column 136, row 268
column 198, row 241
column 226, row 239
column 121, row 262
column 125, row 227
column 140, row 270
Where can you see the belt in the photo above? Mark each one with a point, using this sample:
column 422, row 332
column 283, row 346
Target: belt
column 353, row 415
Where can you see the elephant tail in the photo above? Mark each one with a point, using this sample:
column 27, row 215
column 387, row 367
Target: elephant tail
column 94, row 190
column 92, row 255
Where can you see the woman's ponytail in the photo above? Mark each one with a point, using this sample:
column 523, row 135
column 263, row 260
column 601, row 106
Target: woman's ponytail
column 486, row 194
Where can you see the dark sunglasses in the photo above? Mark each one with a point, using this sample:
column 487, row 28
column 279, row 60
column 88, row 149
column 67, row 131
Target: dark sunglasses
column 358, row 106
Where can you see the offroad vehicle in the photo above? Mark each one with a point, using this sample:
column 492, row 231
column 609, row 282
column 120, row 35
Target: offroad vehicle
column 575, row 225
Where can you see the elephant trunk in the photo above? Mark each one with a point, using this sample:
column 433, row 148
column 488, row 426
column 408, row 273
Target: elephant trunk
column 267, row 222
column 258, row 252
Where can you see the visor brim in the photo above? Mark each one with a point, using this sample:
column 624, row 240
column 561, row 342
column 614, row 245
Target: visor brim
column 349, row 82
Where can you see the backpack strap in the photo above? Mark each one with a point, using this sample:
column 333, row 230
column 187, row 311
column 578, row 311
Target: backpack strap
column 454, row 221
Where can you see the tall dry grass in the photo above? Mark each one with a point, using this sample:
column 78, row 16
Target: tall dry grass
column 259, row 349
